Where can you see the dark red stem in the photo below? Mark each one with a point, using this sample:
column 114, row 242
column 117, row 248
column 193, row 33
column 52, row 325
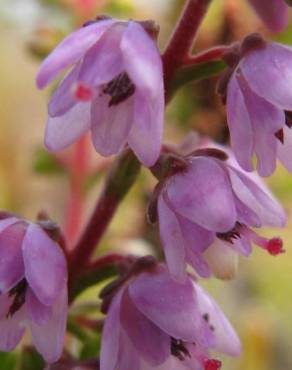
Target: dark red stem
column 183, row 37
column 205, row 56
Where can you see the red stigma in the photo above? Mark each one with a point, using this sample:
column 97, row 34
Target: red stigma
column 275, row 246
column 83, row 93
column 212, row 364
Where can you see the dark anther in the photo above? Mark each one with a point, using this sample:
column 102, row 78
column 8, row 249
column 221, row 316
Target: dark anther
column 211, row 152
column 230, row 235
column 120, row 89
column 280, row 135
column 288, row 118
column 252, row 42
column 206, row 317
column 18, row 292
column 178, row 349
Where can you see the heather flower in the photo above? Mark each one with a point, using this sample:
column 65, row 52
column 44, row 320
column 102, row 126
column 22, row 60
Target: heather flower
column 157, row 323
column 259, row 101
column 114, row 89
column 274, row 14
column 211, row 203
column 33, row 286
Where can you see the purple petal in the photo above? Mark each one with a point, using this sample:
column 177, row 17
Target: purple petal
column 239, row 124
column 63, row 130
column 63, row 99
column 285, row 150
column 146, row 134
column 271, row 63
column 110, row 125
column 104, row 60
column 45, row 265
column 11, row 328
column 199, row 192
column 198, row 263
column 275, row 15
column 172, row 240
column 38, row 312
column 257, row 199
column 246, row 215
column 266, row 119
column 48, row 337
column 110, row 340
column 7, row 222
column 11, row 260
column 170, row 305
column 142, row 59
column 70, row 50
column 226, row 338
column 128, row 356
column 153, row 344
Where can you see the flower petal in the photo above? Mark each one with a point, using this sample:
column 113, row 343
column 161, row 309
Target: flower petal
column 104, row 60
column 146, row 134
column 271, row 63
column 226, row 339
column 45, row 265
column 11, row 260
column 70, row 50
column 11, row 328
column 142, row 59
column 154, row 344
column 172, row 240
column 110, row 341
column 239, row 124
column 199, row 192
column 128, row 356
column 285, row 150
column 62, row 99
column 153, row 293
column 275, row 15
column 63, row 130
column 110, row 125
column 48, row 337
column 38, row 312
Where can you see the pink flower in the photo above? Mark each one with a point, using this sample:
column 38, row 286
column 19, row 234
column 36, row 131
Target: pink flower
column 157, row 323
column 33, row 285
column 274, row 13
column 259, row 98
column 210, row 201
column 115, row 89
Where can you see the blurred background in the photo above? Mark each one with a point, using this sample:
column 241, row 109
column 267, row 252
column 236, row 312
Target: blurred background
column 259, row 301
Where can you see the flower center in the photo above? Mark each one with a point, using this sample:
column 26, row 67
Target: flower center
column 18, row 301
column 178, row 349
column 119, row 89
column 230, row 235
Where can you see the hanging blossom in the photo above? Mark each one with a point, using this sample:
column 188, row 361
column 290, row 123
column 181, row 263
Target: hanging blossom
column 33, row 286
column 206, row 210
column 115, row 89
column 259, row 104
column 156, row 323
column 275, row 13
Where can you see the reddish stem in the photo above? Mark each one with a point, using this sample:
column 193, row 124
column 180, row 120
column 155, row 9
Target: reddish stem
column 205, row 56
column 183, row 37
column 109, row 259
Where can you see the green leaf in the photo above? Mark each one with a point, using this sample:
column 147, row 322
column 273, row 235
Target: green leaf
column 195, row 73
column 8, row 360
column 46, row 163
column 31, row 360
column 90, row 348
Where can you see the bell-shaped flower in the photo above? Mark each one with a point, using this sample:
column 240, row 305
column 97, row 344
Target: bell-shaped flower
column 115, row 89
column 274, row 14
column 213, row 201
column 156, row 323
column 259, row 101
column 33, row 286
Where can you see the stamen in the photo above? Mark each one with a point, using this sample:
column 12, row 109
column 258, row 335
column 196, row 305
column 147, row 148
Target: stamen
column 178, row 349
column 288, row 118
column 231, row 234
column 212, row 364
column 280, row 135
column 120, row 89
column 18, row 292
column 83, row 93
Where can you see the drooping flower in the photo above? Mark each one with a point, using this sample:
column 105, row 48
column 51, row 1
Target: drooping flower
column 259, row 101
column 274, row 14
column 115, row 89
column 33, row 286
column 213, row 201
column 157, row 323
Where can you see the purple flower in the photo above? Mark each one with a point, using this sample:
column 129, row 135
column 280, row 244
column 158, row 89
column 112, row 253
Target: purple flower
column 259, row 98
column 157, row 323
column 274, row 14
column 33, row 285
column 213, row 201
column 115, row 89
